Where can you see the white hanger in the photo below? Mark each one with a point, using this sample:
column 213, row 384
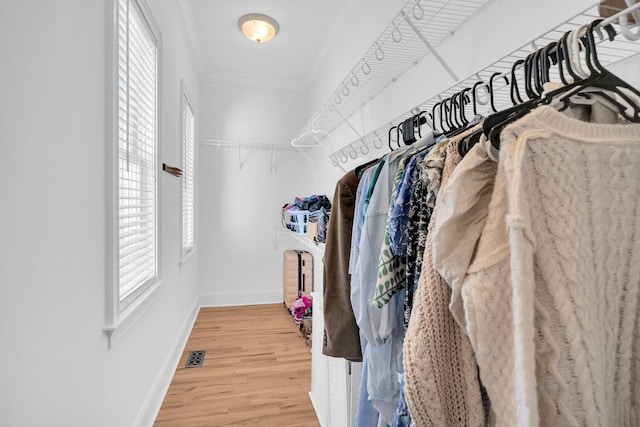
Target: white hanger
column 573, row 42
column 584, row 97
column 624, row 22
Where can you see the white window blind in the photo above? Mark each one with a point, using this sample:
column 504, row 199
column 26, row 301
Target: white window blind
column 188, row 162
column 137, row 96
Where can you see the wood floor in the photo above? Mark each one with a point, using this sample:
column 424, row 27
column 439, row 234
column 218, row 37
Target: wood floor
column 256, row 372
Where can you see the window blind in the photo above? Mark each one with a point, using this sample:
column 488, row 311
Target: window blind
column 188, row 162
column 137, row 96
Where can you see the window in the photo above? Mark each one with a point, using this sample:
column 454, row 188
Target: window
column 188, row 162
column 136, row 153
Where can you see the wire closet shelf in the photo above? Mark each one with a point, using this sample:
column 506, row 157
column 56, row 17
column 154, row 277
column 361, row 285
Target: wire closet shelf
column 609, row 53
column 414, row 32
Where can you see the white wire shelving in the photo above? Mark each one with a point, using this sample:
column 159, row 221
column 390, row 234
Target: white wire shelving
column 609, row 53
column 414, row 33
column 275, row 149
column 304, row 240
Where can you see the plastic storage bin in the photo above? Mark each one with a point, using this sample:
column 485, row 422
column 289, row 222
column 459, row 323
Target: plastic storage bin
column 297, row 221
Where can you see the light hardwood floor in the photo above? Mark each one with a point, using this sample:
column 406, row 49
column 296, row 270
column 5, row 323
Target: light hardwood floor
column 256, row 372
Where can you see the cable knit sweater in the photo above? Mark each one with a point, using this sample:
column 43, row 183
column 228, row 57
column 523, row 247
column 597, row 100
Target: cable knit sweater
column 551, row 297
column 442, row 386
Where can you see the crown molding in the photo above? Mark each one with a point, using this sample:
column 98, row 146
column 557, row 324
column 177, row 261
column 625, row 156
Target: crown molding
column 188, row 25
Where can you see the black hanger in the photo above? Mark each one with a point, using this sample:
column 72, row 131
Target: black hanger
column 561, row 56
column 601, row 78
column 493, row 76
column 433, row 116
column 514, row 91
column 534, row 65
column 453, row 112
column 443, row 118
column 420, row 121
column 445, row 110
column 550, row 57
column 528, row 77
column 464, row 99
column 389, row 140
column 408, row 127
column 499, row 120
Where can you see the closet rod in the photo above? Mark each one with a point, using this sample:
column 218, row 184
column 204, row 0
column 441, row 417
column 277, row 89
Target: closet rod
column 220, row 143
column 614, row 51
column 612, row 19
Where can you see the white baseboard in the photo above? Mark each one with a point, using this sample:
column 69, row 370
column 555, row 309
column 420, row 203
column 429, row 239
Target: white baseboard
column 153, row 402
column 229, row 298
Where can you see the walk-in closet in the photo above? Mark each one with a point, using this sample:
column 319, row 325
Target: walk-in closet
column 341, row 213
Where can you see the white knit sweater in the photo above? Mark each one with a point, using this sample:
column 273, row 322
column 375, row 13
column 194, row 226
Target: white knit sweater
column 551, row 297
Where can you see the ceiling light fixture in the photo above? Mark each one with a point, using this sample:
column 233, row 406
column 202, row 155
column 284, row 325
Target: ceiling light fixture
column 257, row 27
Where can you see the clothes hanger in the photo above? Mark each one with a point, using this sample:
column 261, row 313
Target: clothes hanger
column 389, row 140
column 567, row 57
column 446, row 106
column 561, row 58
column 550, row 58
column 459, row 100
column 464, row 99
column 453, row 112
column 491, row 95
column 600, row 78
column 536, row 68
column 514, row 92
column 499, row 120
column 474, row 91
column 528, row 77
column 420, row 121
column 628, row 97
column 625, row 29
column 442, row 118
column 575, row 48
column 408, row 127
column 433, row 116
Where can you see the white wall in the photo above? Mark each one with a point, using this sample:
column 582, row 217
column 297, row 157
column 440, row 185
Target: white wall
column 55, row 368
column 241, row 192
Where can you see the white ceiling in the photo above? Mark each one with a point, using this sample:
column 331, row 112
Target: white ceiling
column 308, row 29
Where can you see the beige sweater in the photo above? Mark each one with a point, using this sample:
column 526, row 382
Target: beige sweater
column 551, row 297
column 442, row 387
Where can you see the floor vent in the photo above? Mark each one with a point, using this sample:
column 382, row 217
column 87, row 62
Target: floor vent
column 195, row 359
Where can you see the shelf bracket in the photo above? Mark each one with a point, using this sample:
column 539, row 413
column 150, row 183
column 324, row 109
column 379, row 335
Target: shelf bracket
column 431, row 48
column 345, row 120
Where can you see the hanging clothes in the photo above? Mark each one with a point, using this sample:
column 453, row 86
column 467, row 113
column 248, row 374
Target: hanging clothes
column 421, row 206
column 380, row 326
column 382, row 372
column 551, row 297
column 461, row 217
column 442, row 386
column 341, row 335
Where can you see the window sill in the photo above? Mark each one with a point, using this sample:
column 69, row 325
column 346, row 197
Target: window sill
column 126, row 319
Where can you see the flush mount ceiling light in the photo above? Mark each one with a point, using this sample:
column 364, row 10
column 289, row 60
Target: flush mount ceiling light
column 257, row 27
